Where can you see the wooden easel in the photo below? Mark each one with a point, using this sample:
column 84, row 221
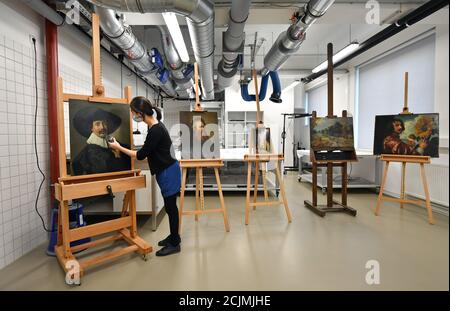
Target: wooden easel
column 258, row 159
column 332, row 205
column 199, row 165
column 403, row 159
column 76, row 187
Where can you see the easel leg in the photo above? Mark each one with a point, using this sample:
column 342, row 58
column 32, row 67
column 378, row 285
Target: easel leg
column 344, row 185
column 255, row 191
column 283, row 194
column 329, row 185
column 183, row 188
column 402, row 190
column 202, row 194
column 132, row 209
column 59, row 227
column 314, row 184
column 197, row 192
column 247, row 198
column 65, row 229
column 380, row 195
column 264, row 176
column 427, row 194
column 126, row 203
column 222, row 201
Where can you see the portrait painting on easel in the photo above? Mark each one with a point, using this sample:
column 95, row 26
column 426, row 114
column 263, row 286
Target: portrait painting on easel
column 407, row 134
column 199, row 135
column 260, row 142
column 331, row 134
column 91, row 125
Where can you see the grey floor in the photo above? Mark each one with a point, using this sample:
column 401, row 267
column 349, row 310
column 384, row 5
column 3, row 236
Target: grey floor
column 311, row 253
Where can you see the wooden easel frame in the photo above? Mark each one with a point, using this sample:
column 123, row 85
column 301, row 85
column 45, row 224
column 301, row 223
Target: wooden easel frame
column 199, row 165
column 75, row 187
column 258, row 159
column 332, row 205
column 404, row 159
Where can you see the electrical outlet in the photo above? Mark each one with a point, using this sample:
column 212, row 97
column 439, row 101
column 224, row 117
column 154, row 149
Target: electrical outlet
column 31, row 37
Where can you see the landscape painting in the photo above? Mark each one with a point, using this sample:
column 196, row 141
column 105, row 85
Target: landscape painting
column 407, row 134
column 329, row 134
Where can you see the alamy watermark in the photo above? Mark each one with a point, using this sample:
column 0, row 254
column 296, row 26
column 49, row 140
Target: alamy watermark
column 373, row 273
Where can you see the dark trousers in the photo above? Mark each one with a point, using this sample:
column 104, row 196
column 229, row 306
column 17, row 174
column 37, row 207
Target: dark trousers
column 170, row 204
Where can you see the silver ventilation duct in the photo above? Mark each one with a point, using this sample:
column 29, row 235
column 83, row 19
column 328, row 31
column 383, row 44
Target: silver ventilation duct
column 289, row 41
column 183, row 80
column 133, row 49
column 233, row 40
column 200, row 17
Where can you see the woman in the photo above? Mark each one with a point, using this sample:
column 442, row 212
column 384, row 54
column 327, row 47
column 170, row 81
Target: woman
column 158, row 150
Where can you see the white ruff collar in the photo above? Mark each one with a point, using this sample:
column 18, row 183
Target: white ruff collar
column 95, row 140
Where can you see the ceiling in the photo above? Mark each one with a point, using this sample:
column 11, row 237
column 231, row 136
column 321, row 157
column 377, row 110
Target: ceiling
column 343, row 23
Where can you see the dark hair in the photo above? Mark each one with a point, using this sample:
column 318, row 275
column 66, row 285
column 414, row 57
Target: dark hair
column 396, row 119
column 142, row 105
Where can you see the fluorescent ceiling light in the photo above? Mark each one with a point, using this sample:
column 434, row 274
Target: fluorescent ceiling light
column 292, row 85
column 177, row 37
column 338, row 56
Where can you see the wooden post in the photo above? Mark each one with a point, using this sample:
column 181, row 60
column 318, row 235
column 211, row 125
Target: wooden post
column 97, row 87
column 256, row 184
column 330, row 79
column 197, row 191
column 247, row 197
column 330, row 115
column 427, row 194
column 222, row 201
column 259, row 122
column 198, row 105
column 405, row 103
column 402, row 190
column 183, row 188
column 383, row 182
column 344, row 181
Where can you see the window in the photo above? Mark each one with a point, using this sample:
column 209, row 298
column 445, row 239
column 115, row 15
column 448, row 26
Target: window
column 380, row 86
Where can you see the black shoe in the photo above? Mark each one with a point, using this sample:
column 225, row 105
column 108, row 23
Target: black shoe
column 168, row 250
column 164, row 242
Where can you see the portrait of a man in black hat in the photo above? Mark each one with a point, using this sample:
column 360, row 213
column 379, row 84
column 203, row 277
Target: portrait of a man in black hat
column 93, row 125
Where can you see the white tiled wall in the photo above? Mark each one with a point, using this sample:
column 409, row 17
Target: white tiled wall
column 20, row 227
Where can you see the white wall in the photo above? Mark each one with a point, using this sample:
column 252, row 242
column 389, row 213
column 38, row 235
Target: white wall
column 20, row 227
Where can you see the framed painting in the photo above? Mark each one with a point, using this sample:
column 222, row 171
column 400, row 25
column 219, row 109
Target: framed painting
column 329, row 134
column 407, row 134
column 91, row 124
column 199, row 135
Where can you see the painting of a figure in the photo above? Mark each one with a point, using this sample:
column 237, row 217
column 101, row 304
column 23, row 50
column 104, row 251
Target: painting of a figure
column 407, row 134
column 331, row 134
column 260, row 140
column 199, row 135
column 91, row 125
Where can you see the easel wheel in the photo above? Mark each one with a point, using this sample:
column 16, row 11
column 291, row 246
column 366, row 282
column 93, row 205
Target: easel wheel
column 145, row 257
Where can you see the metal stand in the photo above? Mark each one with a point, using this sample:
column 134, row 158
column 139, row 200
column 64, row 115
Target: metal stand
column 283, row 137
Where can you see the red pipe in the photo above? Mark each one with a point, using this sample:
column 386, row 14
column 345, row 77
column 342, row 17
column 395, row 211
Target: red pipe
column 51, row 48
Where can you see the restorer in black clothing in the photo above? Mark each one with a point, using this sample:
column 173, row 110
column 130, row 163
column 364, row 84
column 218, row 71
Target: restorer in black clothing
column 159, row 152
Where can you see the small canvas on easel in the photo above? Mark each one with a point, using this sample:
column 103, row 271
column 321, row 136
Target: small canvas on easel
column 91, row 124
column 259, row 141
column 199, row 135
column 407, row 134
